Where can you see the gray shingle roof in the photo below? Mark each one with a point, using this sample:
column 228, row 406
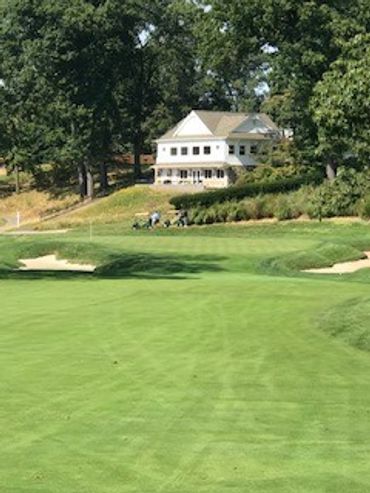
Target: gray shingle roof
column 222, row 123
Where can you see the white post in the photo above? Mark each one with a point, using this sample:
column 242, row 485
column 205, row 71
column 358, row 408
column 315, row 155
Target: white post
column 18, row 219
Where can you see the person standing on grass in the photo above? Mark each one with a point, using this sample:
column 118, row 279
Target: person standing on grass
column 154, row 219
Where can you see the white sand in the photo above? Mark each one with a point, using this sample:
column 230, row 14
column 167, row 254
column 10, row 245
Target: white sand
column 50, row 262
column 344, row 267
column 31, row 232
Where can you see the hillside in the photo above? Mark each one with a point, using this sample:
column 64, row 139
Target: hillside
column 33, row 205
column 120, row 207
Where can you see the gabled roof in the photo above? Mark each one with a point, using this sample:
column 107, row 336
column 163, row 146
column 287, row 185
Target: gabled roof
column 222, row 123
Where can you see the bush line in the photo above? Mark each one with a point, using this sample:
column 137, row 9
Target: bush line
column 207, row 199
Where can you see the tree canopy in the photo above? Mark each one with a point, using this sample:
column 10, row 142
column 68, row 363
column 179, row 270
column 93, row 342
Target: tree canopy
column 83, row 79
column 341, row 104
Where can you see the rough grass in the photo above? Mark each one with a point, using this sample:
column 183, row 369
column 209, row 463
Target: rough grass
column 117, row 208
column 349, row 322
column 182, row 367
column 322, row 255
column 33, row 205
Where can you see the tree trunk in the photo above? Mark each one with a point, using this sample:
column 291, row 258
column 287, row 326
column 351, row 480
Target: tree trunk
column 82, row 181
column 17, row 183
column 137, row 156
column 331, row 170
column 103, row 177
column 89, row 182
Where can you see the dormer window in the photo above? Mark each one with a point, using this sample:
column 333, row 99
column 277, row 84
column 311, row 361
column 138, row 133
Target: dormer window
column 231, row 149
column 207, row 150
column 196, row 151
column 254, row 149
column 242, row 150
column 173, row 151
column 184, row 151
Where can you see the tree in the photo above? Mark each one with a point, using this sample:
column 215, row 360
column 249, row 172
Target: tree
column 298, row 40
column 64, row 61
column 162, row 85
column 341, row 106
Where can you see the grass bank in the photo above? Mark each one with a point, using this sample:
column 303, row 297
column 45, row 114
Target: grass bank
column 120, row 207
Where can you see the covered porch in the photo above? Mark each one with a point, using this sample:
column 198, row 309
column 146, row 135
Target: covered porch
column 207, row 176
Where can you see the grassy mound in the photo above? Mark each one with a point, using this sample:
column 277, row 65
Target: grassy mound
column 349, row 322
column 324, row 255
column 119, row 207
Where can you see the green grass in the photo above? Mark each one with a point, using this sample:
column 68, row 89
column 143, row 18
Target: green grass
column 120, row 207
column 199, row 360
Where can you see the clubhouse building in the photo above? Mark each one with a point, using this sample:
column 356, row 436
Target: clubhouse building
column 203, row 148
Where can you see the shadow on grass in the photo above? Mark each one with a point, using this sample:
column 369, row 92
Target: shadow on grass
column 130, row 266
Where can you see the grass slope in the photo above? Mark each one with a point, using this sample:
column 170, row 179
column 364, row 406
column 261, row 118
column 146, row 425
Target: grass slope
column 193, row 368
column 120, row 207
column 32, row 205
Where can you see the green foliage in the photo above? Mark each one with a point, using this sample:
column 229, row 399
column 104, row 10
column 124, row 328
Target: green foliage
column 241, row 191
column 60, row 65
column 364, row 208
column 264, row 173
column 340, row 104
column 285, row 208
column 298, row 40
column 279, row 206
column 339, row 197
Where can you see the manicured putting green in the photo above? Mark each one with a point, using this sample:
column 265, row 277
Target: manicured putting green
column 200, row 367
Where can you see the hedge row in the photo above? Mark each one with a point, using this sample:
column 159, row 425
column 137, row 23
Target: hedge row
column 207, row 199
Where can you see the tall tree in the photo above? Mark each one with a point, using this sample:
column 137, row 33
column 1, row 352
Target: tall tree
column 300, row 41
column 163, row 81
column 341, row 106
column 66, row 59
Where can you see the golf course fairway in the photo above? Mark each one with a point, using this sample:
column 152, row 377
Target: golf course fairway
column 195, row 361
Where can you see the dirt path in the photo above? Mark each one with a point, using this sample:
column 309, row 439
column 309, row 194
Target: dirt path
column 343, row 267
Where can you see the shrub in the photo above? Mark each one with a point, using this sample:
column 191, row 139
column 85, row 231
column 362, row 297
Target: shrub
column 232, row 212
column 207, row 199
column 271, row 173
column 339, row 197
column 364, row 208
column 220, row 212
column 285, row 208
column 257, row 207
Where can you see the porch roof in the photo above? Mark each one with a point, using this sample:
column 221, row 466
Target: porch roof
column 191, row 165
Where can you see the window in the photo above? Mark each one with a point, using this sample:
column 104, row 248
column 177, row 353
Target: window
column 242, row 150
column 196, row 151
column 231, row 149
column 173, row 151
column 254, row 149
column 184, row 174
column 220, row 173
column 208, row 173
column 207, row 150
column 169, row 172
column 184, row 151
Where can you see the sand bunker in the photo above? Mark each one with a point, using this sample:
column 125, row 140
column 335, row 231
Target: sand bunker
column 50, row 262
column 31, row 232
column 343, row 267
